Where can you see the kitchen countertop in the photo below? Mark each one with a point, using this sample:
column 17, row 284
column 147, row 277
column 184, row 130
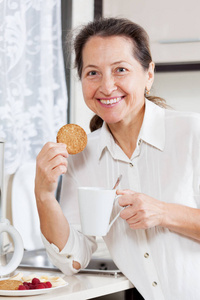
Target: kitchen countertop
column 80, row 286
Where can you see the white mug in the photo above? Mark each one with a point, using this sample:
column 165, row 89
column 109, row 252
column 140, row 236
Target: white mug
column 18, row 248
column 95, row 207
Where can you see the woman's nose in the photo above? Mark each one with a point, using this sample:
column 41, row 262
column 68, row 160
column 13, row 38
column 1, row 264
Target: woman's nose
column 107, row 85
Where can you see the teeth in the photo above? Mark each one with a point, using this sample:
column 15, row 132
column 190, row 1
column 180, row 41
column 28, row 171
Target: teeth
column 111, row 101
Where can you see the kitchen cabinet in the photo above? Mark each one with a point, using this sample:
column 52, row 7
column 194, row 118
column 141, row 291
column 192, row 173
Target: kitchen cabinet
column 173, row 26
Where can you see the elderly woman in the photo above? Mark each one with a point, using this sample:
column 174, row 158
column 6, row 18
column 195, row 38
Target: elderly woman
column 156, row 240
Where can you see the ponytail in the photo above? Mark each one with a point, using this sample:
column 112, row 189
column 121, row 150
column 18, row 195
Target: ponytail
column 95, row 123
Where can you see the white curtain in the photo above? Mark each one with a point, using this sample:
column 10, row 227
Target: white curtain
column 33, row 97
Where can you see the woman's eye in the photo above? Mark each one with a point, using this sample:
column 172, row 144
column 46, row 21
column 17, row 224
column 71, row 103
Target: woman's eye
column 92, row 73
column 120, row 70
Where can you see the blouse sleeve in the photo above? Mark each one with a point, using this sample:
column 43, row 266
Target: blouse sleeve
column 78, row 247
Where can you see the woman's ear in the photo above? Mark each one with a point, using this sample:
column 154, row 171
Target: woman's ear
column 150, row 76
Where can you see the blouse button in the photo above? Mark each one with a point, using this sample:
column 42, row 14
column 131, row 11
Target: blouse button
column 154, row 283
column 139, row 142
column 131, row 164
column 146, row 255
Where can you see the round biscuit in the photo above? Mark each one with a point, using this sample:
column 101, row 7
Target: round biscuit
column 73, row 136
column 8, row 284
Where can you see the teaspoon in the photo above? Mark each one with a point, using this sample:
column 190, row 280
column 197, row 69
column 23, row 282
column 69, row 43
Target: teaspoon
column 117, row 182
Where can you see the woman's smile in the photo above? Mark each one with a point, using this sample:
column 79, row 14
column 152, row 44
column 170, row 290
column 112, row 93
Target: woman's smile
column 110, row 101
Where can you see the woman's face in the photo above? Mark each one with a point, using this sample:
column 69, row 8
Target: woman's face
column 113, row 81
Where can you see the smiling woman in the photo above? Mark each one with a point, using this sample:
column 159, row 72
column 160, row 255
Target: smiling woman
column 157, row 152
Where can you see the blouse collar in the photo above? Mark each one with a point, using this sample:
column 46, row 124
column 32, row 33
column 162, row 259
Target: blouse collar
column 152, row 131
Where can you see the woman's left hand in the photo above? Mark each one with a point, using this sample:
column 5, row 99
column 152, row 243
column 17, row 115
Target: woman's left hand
column 142, row 211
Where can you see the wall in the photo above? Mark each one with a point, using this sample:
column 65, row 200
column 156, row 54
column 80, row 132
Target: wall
column 173, row 28
column 181, row 90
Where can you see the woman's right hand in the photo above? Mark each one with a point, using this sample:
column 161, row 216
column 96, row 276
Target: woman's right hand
column 51, row 162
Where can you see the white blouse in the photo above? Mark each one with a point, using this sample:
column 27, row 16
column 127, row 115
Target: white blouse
column 165, row 165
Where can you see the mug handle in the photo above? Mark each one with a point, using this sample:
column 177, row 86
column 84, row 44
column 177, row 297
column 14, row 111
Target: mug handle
column 18, row 250
column 115, row 218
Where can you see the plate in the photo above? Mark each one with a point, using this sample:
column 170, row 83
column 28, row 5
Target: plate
column 29, row 292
